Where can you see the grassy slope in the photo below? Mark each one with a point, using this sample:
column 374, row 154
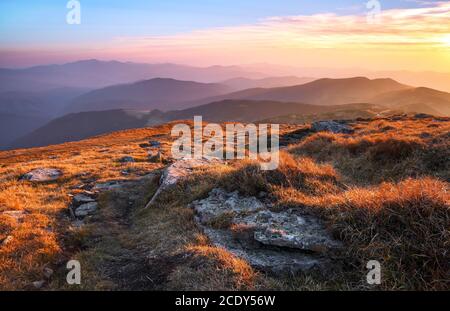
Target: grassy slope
column 383, row 191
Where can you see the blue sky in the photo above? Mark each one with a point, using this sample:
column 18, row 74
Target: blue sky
column 25, row 22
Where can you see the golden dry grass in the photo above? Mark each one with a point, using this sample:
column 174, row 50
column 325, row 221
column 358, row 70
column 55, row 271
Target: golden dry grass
column 383, row 191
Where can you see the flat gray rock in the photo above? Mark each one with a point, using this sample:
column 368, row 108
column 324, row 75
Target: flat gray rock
column 80, row 199
column 107, row 186
column 220, row 202
column 42, row 175
column 331, row 126
column 86, row 209
column 274, row 241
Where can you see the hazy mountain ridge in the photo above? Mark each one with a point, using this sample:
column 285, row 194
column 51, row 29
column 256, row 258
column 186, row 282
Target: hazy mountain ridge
column 99, row 74
column 158, row 93
column 313, row 100
column 244, row 83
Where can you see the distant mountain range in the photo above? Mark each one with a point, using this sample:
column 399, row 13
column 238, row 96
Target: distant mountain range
column 58, row 103
column 97, row 74
column 423, row 100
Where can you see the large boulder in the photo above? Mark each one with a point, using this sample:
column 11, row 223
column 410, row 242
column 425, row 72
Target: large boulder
column 331, row 126
column 284, row 241
column 177, row 171
column 42, row 175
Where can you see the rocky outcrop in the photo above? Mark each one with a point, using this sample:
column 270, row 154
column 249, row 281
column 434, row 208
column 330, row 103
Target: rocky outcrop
column 83, row 205
column 86, row 209
column 42, row 175
column 177, row 171
column 278, row 242
column 331, row 126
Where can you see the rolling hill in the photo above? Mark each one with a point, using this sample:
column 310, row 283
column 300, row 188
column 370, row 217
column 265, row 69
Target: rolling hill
column 326, row 92
column 419, row 99
column 78, row 126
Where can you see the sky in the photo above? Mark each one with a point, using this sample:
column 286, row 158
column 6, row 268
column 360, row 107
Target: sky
column 404, row 35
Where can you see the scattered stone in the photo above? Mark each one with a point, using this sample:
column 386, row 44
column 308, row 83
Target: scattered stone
column 127, row 160
column 278, row 242
column 48, row 272
column 38, row 284
column 86, row 209
column 331, row 126
column 42, row 175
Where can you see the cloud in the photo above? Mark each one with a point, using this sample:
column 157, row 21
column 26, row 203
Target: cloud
column 423, row 27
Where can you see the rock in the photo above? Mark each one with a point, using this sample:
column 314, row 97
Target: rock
column 8, row 240
column 177, row 171
column 48, row 272
column 42, row 175
column 155, row 157
column 282, row 242
column 331, row 126
column 86, row 209
column 422, row 116
column 17, row 215
column 154, row 144
column 220, row 202
column 144, row 146
column 38, row 284
column 80, row 199
column 127, row 160
column 262, row 195
column 286, row 229
column 108, row 186
column 270, row 260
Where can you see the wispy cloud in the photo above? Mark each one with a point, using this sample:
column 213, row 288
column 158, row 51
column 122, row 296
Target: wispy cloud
column 421, row 26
